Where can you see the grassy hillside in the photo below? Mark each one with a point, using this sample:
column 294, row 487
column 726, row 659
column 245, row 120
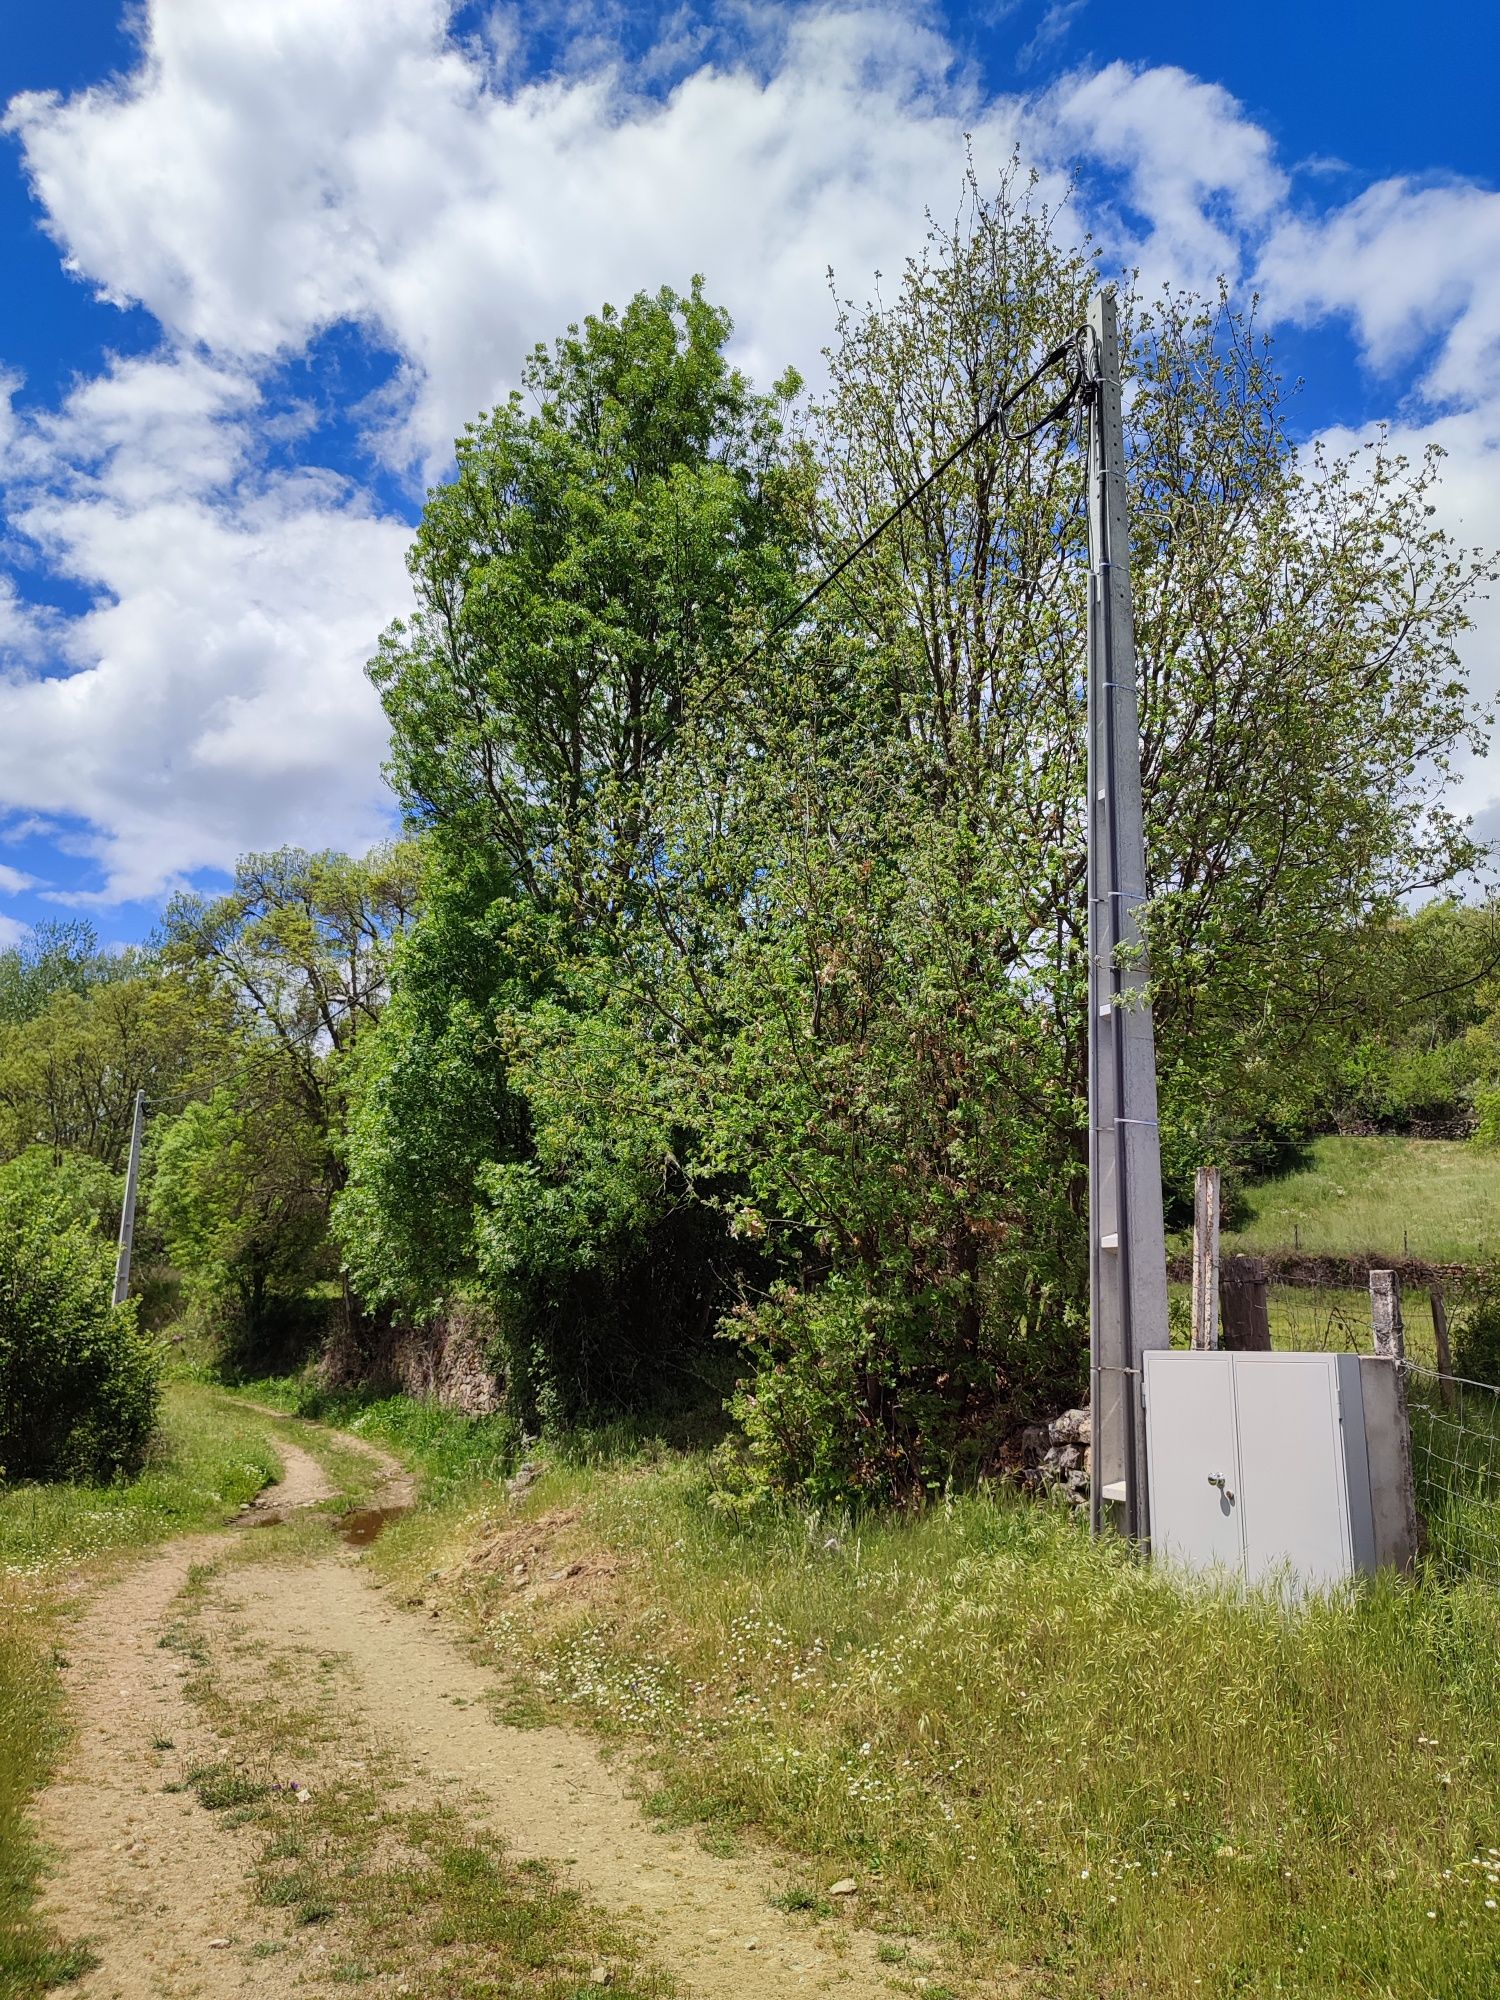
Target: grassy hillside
column 1438, row 1199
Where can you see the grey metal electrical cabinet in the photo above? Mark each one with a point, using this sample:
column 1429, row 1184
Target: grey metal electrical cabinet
column 1260, row 1464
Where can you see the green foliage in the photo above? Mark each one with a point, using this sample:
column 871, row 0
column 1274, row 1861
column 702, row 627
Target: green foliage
column 70, row 1070
column 594, row 561
column 238, row 1193
column 595, row 555
column 78, row 1383
column 430, row 1099
column 56, row 957
column 787, row 974
column 1476, row 1333
column 1430, row 1052
column 298, row 954
column 863, row 960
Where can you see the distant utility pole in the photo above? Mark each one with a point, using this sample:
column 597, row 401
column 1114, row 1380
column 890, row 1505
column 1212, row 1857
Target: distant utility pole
column 1127, row 1254
column 127, row 1213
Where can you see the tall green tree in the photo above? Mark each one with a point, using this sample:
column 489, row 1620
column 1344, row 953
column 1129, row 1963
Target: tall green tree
column 614, row 532
column 70, row 1071
column 299, row 954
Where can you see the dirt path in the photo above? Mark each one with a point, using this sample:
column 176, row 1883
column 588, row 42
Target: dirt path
column 157, row 1887
column 552, row 1796
column 165, row 1889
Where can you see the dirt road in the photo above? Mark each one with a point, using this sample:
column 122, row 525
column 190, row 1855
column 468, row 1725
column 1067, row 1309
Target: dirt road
column 212, row 1656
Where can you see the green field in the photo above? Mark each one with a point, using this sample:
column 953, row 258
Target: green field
column 1433, row 1198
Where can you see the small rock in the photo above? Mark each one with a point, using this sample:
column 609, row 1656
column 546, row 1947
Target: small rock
column 752, row 1944
column 846, row 1887
column 1072, row 1427
column 599, row 1975
column 218, row 1944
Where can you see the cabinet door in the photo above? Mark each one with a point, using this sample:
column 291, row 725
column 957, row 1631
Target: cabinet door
column 1192, row 1461
column 1292, row 1462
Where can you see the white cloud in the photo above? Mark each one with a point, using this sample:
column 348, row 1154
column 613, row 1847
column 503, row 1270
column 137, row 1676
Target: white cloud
column 217, row 698
column 14, row 880
column 274, row 168
column 12, row 930
column 1197, row 171
column 1409, row 265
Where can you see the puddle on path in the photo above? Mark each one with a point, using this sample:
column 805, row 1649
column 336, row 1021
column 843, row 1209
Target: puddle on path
column 362, row 1527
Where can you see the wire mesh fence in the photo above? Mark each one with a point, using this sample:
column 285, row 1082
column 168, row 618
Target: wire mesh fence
column 1455, row 1448
column 1455, row 1423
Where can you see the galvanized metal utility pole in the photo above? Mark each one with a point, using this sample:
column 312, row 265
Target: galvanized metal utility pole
column 1128, row 1265
column 127, row 1213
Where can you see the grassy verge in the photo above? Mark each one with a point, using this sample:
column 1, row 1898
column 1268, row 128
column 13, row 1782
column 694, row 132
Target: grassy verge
column 211, row 1458
column 1433, row 1198
column 1015, row 1737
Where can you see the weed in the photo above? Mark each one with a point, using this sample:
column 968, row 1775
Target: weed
column 794, row 1900
column 221, row 1785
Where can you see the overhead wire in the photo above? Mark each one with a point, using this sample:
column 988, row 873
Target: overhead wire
column 1071, row 349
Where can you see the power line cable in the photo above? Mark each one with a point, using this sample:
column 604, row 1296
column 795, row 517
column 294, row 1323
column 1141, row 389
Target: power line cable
column 1070, row 349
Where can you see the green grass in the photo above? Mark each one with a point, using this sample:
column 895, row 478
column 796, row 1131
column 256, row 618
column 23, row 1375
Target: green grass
column 1026, row 1742
column 1433, row 1198
column 1321, row 1319
column 443, row 1447
column 211, row 1457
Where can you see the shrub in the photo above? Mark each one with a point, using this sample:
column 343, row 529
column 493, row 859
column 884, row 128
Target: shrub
column 1476, row 1335
column 853, row 1397
column 78, row 1381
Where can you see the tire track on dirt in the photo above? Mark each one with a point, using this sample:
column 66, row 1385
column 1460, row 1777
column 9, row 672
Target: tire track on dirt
column 159, row 1889
column 552, row 1796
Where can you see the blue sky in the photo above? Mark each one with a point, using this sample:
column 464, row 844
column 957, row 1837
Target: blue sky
column 261, row 262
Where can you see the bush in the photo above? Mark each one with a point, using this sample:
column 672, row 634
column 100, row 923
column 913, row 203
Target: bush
column 856, row 1398
column 78, row 1382
column 1476, row 1335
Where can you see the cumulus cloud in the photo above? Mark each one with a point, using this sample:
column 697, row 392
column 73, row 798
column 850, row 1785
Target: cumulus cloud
column 214, row 698
column 1411, row 266
column 1199, row 175
column 272, row 170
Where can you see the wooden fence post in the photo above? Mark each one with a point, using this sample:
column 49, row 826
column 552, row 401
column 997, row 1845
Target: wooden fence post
column 1446, row 1386
column 1243, row 1308
column 1206, row 1258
